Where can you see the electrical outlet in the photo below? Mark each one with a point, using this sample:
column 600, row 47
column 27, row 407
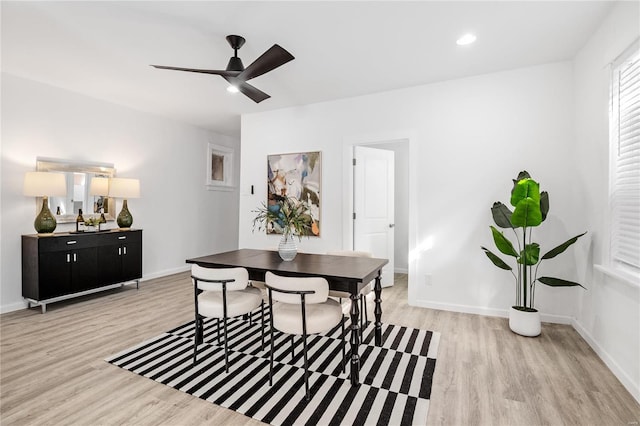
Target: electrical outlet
column 428, row 280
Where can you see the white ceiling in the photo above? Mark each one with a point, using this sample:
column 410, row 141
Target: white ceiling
column 342, row 49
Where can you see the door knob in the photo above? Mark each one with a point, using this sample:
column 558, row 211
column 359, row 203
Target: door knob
column 392, row 225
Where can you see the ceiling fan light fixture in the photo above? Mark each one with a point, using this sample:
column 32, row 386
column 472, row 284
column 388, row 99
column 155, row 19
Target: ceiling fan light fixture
column 466, row 39
column 232, row 89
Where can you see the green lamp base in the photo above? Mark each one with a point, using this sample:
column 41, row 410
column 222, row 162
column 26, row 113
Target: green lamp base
column 45, row 222
column 125, row 220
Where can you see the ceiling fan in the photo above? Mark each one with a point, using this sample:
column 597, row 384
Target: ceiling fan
column 237, row 75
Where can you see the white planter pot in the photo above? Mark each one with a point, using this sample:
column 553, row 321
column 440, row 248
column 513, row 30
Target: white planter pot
column 524, row 323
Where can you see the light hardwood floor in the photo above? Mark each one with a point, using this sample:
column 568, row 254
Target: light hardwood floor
column 52, row 368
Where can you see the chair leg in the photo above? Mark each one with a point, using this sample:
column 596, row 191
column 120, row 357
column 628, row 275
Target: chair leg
column 361, row 317
column 226, row 352
column 366, row 317
column 218, row 328
column 271, row 341
column 344, row 352
column 262, row 321
column 224, row 316
column 292, row 349
column 198, row 325
column 306, row 366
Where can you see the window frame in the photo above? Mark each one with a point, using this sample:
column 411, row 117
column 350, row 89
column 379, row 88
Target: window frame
column 614, row 265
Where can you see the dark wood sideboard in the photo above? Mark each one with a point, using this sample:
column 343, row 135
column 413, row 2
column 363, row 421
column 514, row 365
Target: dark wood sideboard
column 65, row 265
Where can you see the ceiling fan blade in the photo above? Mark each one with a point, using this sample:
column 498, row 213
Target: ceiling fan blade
column 274, row 57
column 248, row 90
column 223, row 73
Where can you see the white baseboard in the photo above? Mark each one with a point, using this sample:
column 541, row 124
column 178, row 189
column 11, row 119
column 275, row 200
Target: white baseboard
column 491, row 312
column 13, row 307
column 166, row 272
column 401, row 270
column 627, row 382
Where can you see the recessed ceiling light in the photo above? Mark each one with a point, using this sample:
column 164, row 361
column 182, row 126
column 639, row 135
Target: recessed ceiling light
column 232, row 89
column 466, row 39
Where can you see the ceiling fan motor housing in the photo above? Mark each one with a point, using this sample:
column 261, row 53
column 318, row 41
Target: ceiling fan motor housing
column 235, row 64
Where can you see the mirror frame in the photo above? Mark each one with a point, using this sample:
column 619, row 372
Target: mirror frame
column 72, row 166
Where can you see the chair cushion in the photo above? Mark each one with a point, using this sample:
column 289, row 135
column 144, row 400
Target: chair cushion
column 239, row 302
column 321, row 317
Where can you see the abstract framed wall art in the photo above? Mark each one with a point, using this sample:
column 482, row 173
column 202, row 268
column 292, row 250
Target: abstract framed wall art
column 297, row 176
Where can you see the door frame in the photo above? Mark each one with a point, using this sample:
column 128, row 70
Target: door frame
column 348, row 142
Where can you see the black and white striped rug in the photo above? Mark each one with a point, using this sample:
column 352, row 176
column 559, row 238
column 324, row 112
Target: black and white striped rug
column 395, row 378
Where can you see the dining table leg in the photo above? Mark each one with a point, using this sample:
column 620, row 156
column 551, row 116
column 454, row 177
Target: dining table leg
column 378, row 309
column 355, row 338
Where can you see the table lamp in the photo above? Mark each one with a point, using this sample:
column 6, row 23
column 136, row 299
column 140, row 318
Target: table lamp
column 45, row 184
column 124, row 188
column 100, row 187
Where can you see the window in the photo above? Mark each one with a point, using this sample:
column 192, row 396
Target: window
column 625, row 162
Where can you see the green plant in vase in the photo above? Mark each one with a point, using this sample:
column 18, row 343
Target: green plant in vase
column 285, row 215
column 530, row 210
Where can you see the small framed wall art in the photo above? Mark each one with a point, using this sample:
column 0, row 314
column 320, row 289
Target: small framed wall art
column 219, row 167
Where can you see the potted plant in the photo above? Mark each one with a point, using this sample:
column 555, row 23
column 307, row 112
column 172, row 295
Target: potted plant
column 288, row 216
column 530, row 210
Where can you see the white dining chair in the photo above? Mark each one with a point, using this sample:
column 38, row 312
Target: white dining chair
column 300, row 306
column 223, row 293
column 364, row 318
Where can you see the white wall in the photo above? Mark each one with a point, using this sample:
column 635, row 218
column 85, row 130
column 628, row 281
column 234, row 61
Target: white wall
column 609, row 314
column 468, row 139
column 179, row 217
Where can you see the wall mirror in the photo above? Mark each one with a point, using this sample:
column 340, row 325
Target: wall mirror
column 81, row 194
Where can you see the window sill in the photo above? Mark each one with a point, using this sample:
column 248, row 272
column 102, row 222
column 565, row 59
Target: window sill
column 625, row 277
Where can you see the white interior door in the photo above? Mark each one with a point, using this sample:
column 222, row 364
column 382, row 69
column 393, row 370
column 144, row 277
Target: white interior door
column 373, row 225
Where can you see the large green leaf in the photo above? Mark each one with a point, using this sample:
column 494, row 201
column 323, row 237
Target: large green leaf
column 544, row 204
column 530, row 255
column 503, row 244
column 557, row 282
column 496, row 260
column 562, row 247
column 501, row 215
column 525, row 188
column 527, row 213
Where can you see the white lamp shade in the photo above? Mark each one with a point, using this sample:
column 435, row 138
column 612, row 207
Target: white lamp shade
column 99, row 186
column 45, row 184
column 124, row 188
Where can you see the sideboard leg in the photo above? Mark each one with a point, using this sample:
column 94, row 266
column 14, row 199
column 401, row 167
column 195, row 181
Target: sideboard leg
column 44, row 307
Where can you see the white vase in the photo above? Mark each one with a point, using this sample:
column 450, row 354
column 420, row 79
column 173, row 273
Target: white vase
column 287, row 248
column 524, row 323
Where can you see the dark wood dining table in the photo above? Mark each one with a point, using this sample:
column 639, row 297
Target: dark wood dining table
column 344, row 273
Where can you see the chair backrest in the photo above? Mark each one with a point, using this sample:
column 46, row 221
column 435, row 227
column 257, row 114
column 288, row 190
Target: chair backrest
column 352, row 253
column 320, row 286
column 240, row 275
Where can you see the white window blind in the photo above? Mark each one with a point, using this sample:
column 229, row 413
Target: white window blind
column 625, row 161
